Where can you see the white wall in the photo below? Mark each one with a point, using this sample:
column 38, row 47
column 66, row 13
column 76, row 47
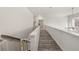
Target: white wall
column 66, row 40
column 55, row 16
column 58, row 22
column 58, row 16
column 16, row 21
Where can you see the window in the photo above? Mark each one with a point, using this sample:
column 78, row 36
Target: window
column 73, row 22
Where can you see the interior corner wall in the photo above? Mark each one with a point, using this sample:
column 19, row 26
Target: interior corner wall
column 16, row 21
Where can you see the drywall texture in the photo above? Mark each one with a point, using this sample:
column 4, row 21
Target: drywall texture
column 67, row 41
column 15, row 20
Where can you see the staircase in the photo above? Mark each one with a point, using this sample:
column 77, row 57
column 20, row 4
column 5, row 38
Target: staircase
column 46, row 43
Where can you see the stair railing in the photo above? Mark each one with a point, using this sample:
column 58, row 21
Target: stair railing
column 31, row 43
column 22, row 41
column 34, row 39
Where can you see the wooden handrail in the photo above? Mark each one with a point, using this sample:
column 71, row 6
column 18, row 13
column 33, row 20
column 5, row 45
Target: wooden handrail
column 9, row 37
column 12, row 37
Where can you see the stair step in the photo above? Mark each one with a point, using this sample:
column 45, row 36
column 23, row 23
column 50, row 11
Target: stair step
column 47, row 43
column 51, row 49
column 47, row 46
column 45, row 38
column 43, row 49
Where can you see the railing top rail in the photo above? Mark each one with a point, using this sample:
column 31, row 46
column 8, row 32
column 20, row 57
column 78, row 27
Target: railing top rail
column 9, row 37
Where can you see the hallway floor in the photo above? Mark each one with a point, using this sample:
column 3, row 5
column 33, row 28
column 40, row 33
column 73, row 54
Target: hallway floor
column 46, row 43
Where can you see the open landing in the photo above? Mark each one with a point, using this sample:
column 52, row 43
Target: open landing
column 47, row 43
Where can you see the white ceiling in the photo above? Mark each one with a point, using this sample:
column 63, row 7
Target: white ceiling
column 53, row 11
